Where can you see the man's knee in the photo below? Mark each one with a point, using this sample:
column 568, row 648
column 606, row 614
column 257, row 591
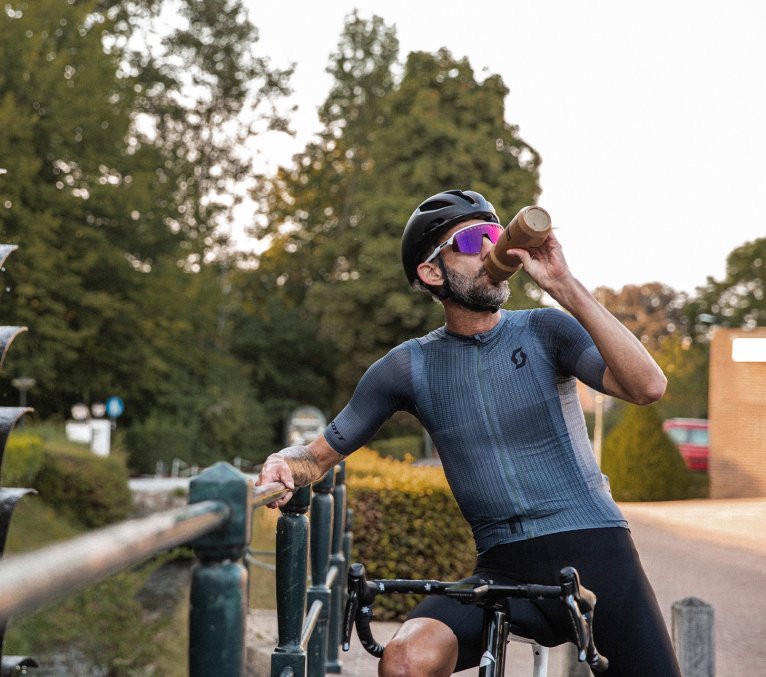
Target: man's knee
column 421, row 648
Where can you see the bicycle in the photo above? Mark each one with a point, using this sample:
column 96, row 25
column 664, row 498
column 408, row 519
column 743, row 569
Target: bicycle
column 578, row 600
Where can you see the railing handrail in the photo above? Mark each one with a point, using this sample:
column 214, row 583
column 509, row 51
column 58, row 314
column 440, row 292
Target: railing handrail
column 267, row 493
column 30, row 580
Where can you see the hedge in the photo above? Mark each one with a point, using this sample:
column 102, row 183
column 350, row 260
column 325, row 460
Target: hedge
column 91, row 490
column 22, row 460
column 406, row 524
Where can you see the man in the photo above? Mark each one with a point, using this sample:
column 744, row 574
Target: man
column 496, row 391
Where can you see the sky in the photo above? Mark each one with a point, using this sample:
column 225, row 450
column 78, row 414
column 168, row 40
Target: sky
column 650, row 116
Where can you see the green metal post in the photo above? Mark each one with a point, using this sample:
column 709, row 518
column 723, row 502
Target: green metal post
column 292, row 554
column 337, row 560
column 321, row 542
column 348, row 536
column 218, row 598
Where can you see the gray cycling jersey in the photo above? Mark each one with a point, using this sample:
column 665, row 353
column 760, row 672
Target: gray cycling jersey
column 502, row 410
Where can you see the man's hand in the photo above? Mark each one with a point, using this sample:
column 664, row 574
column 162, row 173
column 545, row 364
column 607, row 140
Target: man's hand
column 545, row 264
column 298, row 466
column 276, row 469
column 631, row 373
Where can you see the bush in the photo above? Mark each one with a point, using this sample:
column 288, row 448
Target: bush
column 406, row 524
column 641, row 461
column 93, row 490
column 22, row 460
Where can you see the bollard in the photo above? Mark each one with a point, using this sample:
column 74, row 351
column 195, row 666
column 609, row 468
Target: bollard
column 337, row 560
column 289, row 658
column 321, row 542
column 218, row 597
column 692, row 623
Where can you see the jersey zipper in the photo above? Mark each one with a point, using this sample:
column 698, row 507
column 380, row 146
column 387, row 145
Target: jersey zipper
column 505, row 460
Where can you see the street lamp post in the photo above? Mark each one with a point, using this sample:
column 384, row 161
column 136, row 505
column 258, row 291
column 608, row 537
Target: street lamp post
column 23, row 384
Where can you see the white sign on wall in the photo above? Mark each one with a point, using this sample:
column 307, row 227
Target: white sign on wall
column 748, row 350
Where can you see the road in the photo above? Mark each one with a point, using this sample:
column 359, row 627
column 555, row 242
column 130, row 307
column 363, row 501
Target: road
column 724, row 568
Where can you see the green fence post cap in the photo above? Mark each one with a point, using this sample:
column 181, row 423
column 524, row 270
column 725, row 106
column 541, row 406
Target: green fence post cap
column 223, row 482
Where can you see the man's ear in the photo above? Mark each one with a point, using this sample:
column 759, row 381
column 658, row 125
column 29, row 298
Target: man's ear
column 430, row 274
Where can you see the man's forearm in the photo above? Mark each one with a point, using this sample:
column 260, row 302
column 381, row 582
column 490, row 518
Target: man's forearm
column 639, row 377
column 303, row 465
column 310, row 463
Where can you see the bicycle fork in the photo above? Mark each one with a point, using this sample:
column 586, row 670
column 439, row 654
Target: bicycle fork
column 493, row 659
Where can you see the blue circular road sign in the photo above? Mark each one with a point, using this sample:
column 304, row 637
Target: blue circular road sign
column 114, row 407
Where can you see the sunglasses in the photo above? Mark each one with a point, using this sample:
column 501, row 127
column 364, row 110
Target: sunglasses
column 469, row 240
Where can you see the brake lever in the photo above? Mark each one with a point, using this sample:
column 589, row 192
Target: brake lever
column 357, row 582
column 581, row 603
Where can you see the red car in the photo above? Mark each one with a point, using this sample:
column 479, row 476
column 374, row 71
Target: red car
column 690, row 435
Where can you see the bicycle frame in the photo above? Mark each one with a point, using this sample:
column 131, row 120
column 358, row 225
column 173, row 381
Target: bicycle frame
column 497, row 624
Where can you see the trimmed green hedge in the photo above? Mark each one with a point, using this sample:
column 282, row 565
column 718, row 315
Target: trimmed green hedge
column 406, row 524
column 88, row 489
column 23, row 458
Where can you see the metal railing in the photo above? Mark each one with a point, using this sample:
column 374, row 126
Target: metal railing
column 309, row 643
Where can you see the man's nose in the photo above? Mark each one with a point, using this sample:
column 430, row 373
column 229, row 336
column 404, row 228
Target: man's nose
column 486, row 246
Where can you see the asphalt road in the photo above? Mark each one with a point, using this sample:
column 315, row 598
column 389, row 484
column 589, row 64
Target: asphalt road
column 726, row 570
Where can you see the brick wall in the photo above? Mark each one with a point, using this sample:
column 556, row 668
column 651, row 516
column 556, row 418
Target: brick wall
column 737, row 412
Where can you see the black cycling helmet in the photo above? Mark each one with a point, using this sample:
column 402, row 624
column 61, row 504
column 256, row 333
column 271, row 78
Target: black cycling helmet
column 434, row 216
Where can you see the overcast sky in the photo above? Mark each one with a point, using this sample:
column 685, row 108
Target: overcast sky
column 650, row 116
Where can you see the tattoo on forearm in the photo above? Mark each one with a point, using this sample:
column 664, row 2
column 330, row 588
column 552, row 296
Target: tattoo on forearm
column 304, row 466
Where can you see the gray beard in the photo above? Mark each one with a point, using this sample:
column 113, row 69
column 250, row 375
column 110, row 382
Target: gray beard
column 473, row 292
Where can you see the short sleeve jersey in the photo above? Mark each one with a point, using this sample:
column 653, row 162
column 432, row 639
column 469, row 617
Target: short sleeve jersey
column 503, row 412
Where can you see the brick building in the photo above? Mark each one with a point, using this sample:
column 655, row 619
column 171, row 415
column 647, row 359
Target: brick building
column 737, row 412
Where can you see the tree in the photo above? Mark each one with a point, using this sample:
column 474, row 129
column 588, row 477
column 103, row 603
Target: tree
column 653, row 312
column 121, row 143
column 739, row 300
column 640, row 460
column 685, row 364
column 339, row 211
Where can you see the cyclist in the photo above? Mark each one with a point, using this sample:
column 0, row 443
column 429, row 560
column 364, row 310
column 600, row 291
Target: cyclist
column 496, row 391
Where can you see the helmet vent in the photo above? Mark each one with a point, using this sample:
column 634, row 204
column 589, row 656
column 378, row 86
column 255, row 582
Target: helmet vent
column 434, row 206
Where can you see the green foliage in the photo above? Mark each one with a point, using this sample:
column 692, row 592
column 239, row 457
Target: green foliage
column 640, row 460
column 406, row 525
column 739, row 300
column 105, row 625
column 126, row 138
column 399, row 447
column 89, row 489
column 22, row 460
column 685, row 364
column 157, row 440
column 36, row 523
